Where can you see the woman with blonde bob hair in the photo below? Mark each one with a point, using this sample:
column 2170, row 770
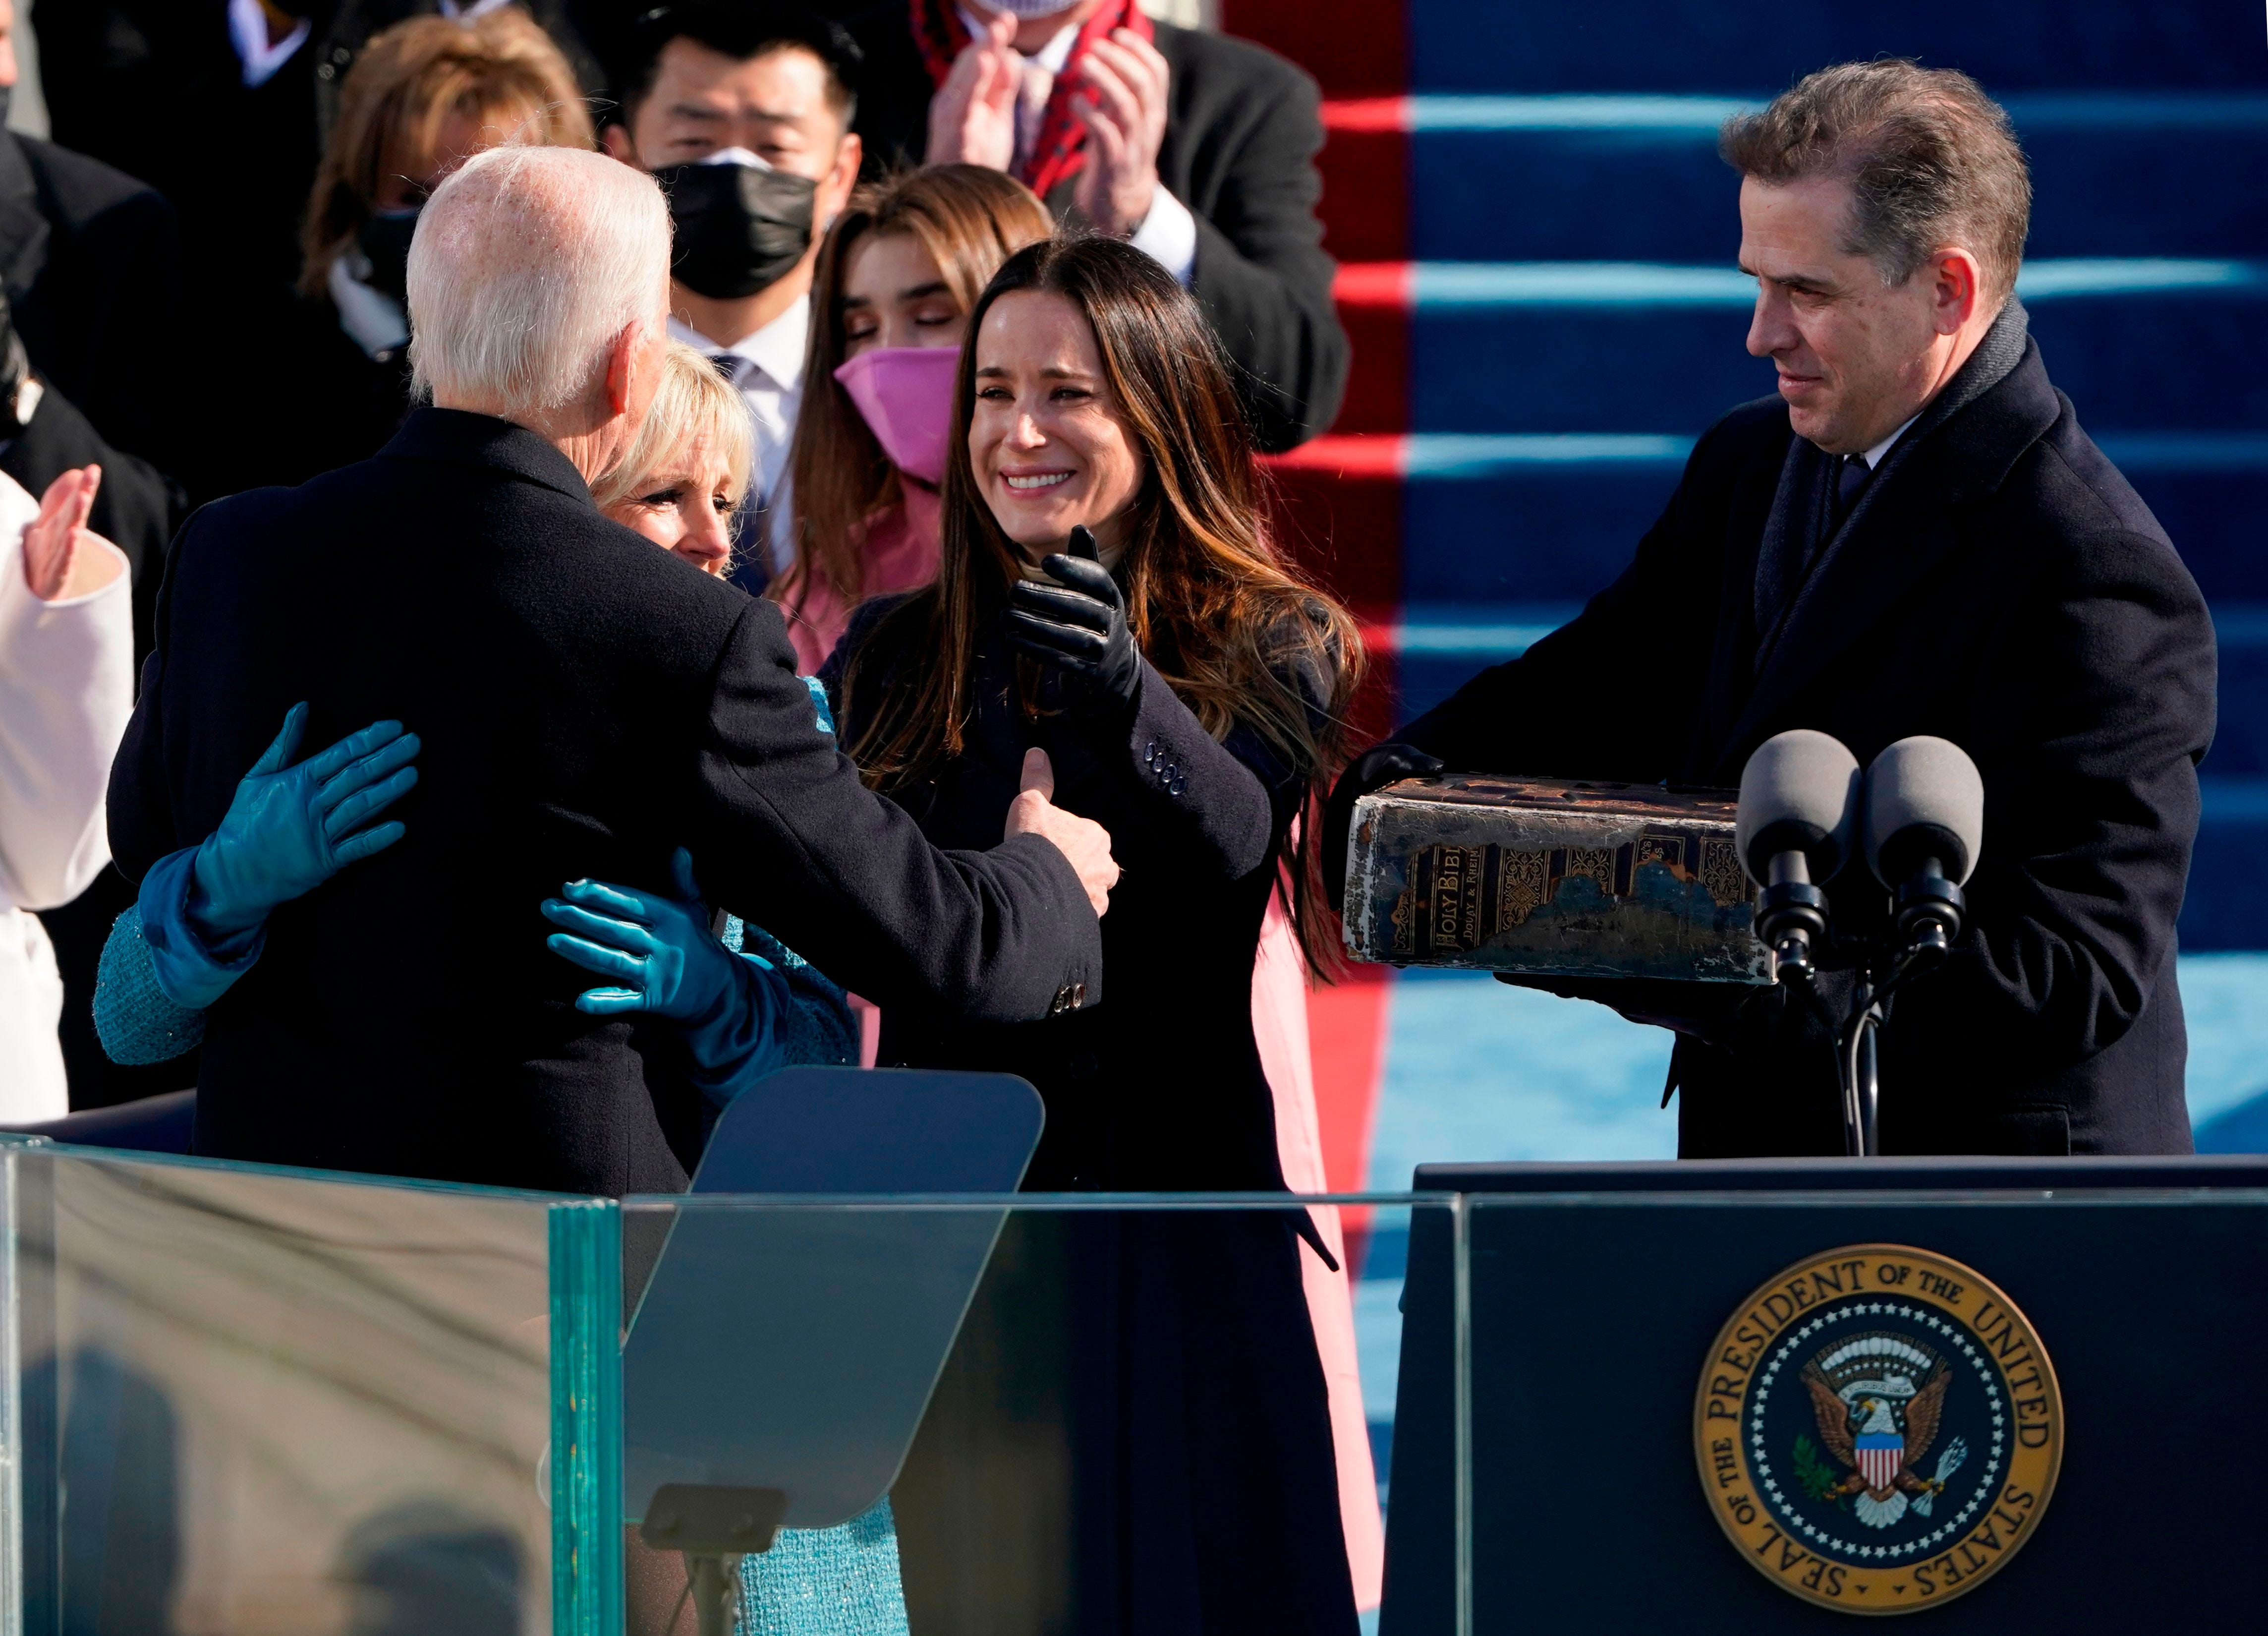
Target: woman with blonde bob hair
column 901, row 270
column 682, row 479
column 423, row 97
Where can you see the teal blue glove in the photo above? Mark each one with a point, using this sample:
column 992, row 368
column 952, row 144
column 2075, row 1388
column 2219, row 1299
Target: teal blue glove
column 659, row 949
column 291, row 828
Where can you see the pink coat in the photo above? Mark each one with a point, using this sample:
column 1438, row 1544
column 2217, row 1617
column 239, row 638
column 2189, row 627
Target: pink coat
column 900, row 545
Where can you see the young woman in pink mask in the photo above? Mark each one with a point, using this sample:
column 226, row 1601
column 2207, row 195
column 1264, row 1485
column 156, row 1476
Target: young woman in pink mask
column 901, row 270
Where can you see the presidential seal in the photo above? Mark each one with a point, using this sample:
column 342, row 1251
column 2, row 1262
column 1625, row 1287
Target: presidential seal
column 1878, row 1429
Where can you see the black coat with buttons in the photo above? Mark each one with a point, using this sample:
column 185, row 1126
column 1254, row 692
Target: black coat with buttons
column 1203, row 1496
column 1162, row 1087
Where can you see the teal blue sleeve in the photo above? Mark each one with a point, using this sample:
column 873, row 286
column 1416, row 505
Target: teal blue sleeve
column 816, row 1026
column 193, row 970
column 827, row 1581
column 133, row 1018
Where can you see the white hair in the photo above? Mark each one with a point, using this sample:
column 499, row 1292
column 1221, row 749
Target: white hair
column 526, row 263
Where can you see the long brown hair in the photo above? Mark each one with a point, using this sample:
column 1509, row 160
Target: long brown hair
column 970, row 219
column 500, row 69
column 1216, row 609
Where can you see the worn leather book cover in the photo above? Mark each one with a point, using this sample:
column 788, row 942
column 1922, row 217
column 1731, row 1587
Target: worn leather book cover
column 1552, row 879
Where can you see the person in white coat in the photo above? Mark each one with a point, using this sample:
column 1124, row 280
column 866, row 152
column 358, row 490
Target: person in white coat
column 66, row 693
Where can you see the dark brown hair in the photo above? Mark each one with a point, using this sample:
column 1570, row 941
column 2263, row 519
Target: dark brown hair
column 1931, row 162
column 970, row 219
column 1220, row 614
column 501, row 67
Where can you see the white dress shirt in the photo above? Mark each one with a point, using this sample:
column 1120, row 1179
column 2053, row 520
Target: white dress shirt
column 66, row 691
column 1873, row 456
column 767, row 369
column 1168, row 233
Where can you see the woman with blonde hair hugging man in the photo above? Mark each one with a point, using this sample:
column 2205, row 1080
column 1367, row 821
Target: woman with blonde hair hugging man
column 680, row 484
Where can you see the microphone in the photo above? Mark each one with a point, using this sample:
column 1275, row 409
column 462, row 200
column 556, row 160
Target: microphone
column 1798, row 809
column 1924, row 829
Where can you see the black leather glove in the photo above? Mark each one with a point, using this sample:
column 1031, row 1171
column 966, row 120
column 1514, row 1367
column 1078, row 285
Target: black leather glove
column 1375, row 768
column 1079, row 624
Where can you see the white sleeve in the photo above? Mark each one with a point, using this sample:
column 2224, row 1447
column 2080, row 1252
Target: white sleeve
column 1169, row 236
column 66, row 691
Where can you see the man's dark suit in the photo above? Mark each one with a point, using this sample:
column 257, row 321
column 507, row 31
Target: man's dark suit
column 1242, row 135
column 90, row 258
column 587, row 702
column 2005, row 589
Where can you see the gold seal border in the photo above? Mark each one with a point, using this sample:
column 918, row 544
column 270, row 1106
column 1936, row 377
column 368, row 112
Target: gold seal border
column 1729, row 1486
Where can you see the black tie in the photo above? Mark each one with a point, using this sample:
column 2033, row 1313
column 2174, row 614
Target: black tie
column 1848, row 483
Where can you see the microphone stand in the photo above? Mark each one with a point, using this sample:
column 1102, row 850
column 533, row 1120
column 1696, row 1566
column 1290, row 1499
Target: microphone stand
column 1930, row 910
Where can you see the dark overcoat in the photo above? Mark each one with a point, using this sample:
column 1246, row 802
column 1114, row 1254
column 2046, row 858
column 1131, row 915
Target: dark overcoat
column 1205, row 1498
column 2005, row 589
column 587, row 703
column 1243, row 130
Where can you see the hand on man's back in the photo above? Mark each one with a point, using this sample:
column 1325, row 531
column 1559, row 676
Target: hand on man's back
column 1086, row 842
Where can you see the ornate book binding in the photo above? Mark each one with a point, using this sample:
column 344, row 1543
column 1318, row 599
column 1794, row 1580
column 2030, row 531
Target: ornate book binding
column 1552, row 879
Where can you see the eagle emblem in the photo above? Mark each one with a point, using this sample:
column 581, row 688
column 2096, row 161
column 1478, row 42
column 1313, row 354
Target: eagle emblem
column 1878, row 1428
column 1877, row 1398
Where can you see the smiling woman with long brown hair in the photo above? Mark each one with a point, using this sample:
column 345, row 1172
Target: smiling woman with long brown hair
column 1111, row 613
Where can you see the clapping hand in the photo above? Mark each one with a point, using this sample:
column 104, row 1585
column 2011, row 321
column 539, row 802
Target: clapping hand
column 1125, row 112
column 1079, row 624
column 291, row 828
column 657, row 948
column 62, row 558
column 972, row 119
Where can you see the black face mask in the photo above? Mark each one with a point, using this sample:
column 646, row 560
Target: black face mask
column 385, row 239
column 736, row 229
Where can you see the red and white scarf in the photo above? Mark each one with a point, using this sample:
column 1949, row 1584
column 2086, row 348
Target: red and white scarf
column 1060, row 147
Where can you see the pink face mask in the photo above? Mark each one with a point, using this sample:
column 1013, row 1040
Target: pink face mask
column 906, row 395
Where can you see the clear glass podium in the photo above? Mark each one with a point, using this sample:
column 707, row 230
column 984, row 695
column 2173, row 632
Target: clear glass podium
column 257, row 1401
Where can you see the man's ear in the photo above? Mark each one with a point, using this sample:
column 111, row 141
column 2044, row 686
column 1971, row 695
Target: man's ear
column 842, row 177
column 622, row 366
column 615, row 138
column 1955, row 296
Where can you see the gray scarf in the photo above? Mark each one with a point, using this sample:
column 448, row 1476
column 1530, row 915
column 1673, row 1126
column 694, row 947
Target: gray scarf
column 1798, row 538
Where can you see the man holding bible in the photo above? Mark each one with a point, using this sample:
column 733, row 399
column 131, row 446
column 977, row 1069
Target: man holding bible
column 1914, row 537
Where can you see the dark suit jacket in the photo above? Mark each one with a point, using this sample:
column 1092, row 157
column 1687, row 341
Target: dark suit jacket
column 2006, row 590
column 90, row 257
column 1241, row 137
column 136, row 508
column 587, row 701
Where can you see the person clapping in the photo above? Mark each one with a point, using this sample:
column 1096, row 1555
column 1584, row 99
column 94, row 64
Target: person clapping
column 66, row 690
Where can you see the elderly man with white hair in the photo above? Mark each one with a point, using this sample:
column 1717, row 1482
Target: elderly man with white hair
column 586, row 704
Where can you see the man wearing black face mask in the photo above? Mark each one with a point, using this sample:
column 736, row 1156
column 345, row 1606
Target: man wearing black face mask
column 743, row 112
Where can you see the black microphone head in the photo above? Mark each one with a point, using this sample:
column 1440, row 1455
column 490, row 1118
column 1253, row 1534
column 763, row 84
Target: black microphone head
column 1925, row 798
column 1798, row 793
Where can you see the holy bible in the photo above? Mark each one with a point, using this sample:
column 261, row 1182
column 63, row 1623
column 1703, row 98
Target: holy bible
column 1552, row 879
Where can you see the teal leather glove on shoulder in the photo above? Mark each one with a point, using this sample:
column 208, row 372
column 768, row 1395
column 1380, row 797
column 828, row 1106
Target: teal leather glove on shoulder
column 290, row 827
column 664, row 960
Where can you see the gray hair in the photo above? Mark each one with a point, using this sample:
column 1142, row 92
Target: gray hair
column 526, row 263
